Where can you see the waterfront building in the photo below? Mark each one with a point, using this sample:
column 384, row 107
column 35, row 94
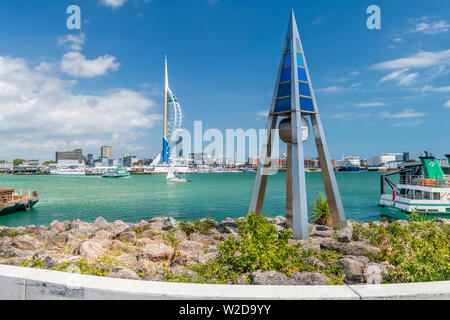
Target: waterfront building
column 387, row 161
column 106, row 152
column 76, row 155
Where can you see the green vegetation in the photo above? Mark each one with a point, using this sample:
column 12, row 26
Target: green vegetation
column 201, row 226
column 18, row 162
column 321, row 211
column 261, row 247
column 418, row 252
column 10, row 233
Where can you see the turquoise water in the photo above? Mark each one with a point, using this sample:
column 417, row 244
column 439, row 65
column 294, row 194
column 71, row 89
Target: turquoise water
column 217, row 195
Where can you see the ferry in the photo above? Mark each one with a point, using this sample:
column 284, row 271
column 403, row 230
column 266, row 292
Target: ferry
column 116, row 173
column 11, row 202
column 349, row 164
column 420, row 187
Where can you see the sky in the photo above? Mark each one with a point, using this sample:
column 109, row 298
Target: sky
column 385, row 90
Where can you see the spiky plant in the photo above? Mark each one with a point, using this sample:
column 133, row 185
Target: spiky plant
column 321, row 211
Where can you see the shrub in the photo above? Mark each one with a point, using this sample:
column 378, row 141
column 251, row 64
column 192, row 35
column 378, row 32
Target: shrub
column 321, row 211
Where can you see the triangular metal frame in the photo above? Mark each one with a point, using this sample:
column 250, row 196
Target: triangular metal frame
column 296, row 200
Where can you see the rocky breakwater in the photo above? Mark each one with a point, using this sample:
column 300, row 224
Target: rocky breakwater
column 164, row 249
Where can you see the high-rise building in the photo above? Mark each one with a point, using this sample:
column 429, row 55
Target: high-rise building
column 106, row 152
column 75, row 155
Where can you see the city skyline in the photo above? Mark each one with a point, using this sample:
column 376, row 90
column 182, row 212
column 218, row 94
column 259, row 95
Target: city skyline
column 378, row 90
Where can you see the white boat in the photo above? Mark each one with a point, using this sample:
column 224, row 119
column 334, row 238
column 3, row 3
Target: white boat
column 68, row 171
column 349, row 164
column 422, row 188
column 172, row 178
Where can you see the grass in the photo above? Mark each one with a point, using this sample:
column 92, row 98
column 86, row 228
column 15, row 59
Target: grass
column 321, row 211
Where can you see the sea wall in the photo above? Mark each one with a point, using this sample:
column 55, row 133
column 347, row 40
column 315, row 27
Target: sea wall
column 32, row 284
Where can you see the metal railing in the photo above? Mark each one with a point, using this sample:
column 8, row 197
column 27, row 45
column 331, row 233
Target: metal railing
column 422, row 181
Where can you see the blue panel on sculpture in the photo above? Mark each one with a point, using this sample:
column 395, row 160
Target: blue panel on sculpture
column 283, row 105
column 304, row 89
column 288, row 47
column 306, row 104
column 285, row 75
column 284, row 90
column 300, row 60
column 302, row 75
column 287, row 61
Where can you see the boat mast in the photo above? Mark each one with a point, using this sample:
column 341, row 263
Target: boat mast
column 165, row 151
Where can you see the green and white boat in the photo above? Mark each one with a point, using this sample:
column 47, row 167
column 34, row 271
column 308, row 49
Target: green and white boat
column 116, row 173
column 422, row 188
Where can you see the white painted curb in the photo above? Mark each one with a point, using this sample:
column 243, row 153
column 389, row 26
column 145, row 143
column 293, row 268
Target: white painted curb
column 17, row 283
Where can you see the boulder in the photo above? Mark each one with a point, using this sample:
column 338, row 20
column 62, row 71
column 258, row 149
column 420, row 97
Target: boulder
column 156, row 252
column 309, row 279
column 191, row 246
column 355, row 248
column 443, row 221
column 183, row 272
column 82, row 231
column 354, row 279
column 204, row 239
column 101, row 224
column 184, row 258
column 180, row 235
column 373, row 274
column 204, row 258
column 242, row 281
column 269, row 278
column 25, row 242
column 169, row 224
column 102, row 235
column 11, row 252
column 345, row 235
column 57, row 226
column 123, row 273
column 129, row 236
column 351, row 265
column 90, row 249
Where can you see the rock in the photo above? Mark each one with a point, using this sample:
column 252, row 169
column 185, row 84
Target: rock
column 242, row 281
column 117, row 223
column 102, row 235
column 281, row 221
column 269, row 278
column 315, row 262
column 142, row 242
column 188, row 245
column 345, row 235
column 123, row 273
column 147, row 234
column 309, row 279
column 183, row 272
column 169, row 224
column 228, row 225
column 353, row 279
column 180, row 235
column 204, row 239
column 11, row 252
column 57, row 226
column 101, row 224
column 373, row 274
column 184, row 258
column 323, row 233
column 148, row 268
column 25, row 242
column 204, row 258
column 116, row 245
column 90, row 249
column 322, row 228
column 129, row 236
column 351, row 265
column 33, row 229
column 355, row 248
column 82, row 231
column 157, row 251
column 443, row 221
column 16, row 261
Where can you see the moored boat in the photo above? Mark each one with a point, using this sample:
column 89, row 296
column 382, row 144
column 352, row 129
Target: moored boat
column 422, row 188
column 116, row 173
column 11, row 202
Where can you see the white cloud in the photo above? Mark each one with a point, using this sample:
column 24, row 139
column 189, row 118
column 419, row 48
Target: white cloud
column 370, row 104
column 421, row 59
column 427, row 26
column 114, row 4
column 76, row 65
column 447, row 104
column 408, row 124
column 436, row 89
column 73, row 42
column 407, row 113
column 41, row 114
column 332, row 89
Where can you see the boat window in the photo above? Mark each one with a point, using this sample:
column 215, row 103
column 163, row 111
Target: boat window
column 436, row 196
column 427, row 195
column 417, row 194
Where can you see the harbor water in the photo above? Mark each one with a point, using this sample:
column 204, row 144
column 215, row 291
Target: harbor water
column 215, row 195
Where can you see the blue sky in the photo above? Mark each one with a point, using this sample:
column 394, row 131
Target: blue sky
column 378, row 91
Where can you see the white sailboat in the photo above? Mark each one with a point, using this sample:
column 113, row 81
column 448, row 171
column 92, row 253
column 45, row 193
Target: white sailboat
column 172, row 178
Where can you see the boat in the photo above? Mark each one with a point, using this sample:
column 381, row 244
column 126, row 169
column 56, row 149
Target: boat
column 116, row 173
column 64, row 170
column 173, row 178
column 349, row 164
column 11, row 202
column 421, row 188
